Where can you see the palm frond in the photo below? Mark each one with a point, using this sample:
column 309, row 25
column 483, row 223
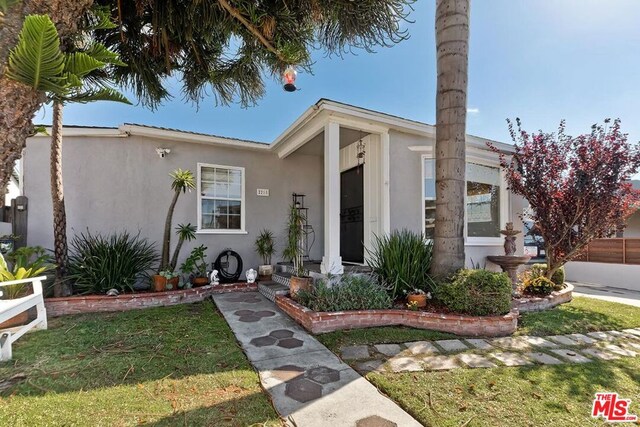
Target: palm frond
column 99, row 52
column 93, row 95
column 37, row 60
column 80, row 64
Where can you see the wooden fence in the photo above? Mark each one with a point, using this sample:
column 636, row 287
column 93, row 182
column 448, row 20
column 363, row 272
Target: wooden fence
column 613, row 251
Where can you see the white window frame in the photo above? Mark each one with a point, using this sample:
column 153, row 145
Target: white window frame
column 242, row 229
column 423, row 198
column 504, row 199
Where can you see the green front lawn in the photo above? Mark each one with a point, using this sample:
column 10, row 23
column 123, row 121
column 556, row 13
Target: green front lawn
column 162, row 366
column 525, row 396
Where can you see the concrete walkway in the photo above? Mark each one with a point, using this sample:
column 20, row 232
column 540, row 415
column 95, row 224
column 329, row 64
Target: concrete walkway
column 493, row 353
column 309, row 385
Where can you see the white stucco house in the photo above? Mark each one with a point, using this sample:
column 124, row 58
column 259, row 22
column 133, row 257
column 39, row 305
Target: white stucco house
column 363, row 173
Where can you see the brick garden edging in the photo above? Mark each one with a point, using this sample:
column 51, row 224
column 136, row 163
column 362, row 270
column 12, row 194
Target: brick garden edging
column 125, row 302
column 321, row 322
column 527, row 304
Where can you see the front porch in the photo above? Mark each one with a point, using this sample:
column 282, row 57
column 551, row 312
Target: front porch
column 355, row 208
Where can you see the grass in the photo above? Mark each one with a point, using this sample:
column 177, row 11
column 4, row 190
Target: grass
column 160, row 366
column 558, row 395
column 581, row 315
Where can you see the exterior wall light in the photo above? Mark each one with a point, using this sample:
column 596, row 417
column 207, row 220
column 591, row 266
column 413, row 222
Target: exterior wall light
column 162, row 152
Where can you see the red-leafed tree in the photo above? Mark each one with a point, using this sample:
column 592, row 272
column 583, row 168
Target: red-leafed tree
column 579, row 187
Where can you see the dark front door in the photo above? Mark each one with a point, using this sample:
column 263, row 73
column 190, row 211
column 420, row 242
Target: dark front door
column 352, row 215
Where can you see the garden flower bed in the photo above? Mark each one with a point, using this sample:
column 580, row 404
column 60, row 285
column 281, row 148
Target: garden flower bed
column 125, row 302
column 322, row 322
column 528, row 303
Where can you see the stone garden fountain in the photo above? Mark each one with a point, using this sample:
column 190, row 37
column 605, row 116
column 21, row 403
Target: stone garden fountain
column 509, row 262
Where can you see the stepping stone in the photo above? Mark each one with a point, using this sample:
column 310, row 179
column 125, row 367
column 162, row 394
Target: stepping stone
column 601, row 336
column 451, row 346
column 635, row 332
column 375, row 421
column 543, row 358
column 388, row 349
column 440, row 363
column 631, row 345
column 581, row 338
column 370, row 366
column 619, row 350
column 563, row 339
column 511, row 343
column 618, row 334
column 479, row 343
column 570, row 355
column 476, row 361
column 354, row 352
column 422, row 347
column 511, row 359
column 599, row 354
column 405, row 364
column 540, row 342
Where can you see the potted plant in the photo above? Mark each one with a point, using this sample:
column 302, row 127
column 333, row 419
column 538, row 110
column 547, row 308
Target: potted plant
column 265, row 249
column 418, row 298
column 196, row 266
column 183, row 181
column 294, row 251
column 165, row 280
column 25, row 262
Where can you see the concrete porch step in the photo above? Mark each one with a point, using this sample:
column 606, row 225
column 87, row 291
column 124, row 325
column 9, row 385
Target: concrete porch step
column 271, row 288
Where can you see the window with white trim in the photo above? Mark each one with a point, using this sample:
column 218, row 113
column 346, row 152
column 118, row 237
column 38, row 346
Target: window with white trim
column 429, row 195
column 484, row 199
column 220, row 198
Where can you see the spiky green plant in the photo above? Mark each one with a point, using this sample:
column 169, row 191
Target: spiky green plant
column 265, row 246
column 183, row 181
column 185, row 232
column 102, row 262
column 294, row 251
column 402, row 260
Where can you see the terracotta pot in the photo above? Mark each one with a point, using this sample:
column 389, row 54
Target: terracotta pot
column 19, row 320
column 420, row 299
column 174, row 282
column 200, row 281
column 159, row 283
column 299, row 283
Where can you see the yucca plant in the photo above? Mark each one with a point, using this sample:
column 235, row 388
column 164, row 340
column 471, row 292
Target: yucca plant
column 401, row 261
column 183, row 181
column 294, row 251
column 99, row 263
column 265, row 246
column 185, row 232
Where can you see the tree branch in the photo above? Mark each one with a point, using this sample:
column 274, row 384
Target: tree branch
column 249, row 26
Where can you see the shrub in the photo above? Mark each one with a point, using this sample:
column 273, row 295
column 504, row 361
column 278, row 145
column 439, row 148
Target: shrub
column 401, row 261
column 98, row 263
column 538, row 270
column 476, row 292
column 539, row 285
column 352, row 292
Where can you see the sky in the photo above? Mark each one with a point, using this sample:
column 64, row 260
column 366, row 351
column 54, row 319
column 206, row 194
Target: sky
column 540, row 60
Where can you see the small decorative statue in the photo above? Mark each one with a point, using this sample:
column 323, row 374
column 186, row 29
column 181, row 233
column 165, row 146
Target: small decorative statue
column 251, row 275
column 214, row 277
column 510, row 239
column 113, row 292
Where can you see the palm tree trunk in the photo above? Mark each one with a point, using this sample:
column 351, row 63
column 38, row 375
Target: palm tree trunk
column 166, row 239
column 18, row 102
column 452, row 45
column 57, row 196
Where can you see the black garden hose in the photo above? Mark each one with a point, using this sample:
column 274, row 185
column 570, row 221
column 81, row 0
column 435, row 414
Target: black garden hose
column 225, row 275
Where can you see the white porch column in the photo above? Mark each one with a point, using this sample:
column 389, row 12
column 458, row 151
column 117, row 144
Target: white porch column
column 331, row 261
column 386, row 200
